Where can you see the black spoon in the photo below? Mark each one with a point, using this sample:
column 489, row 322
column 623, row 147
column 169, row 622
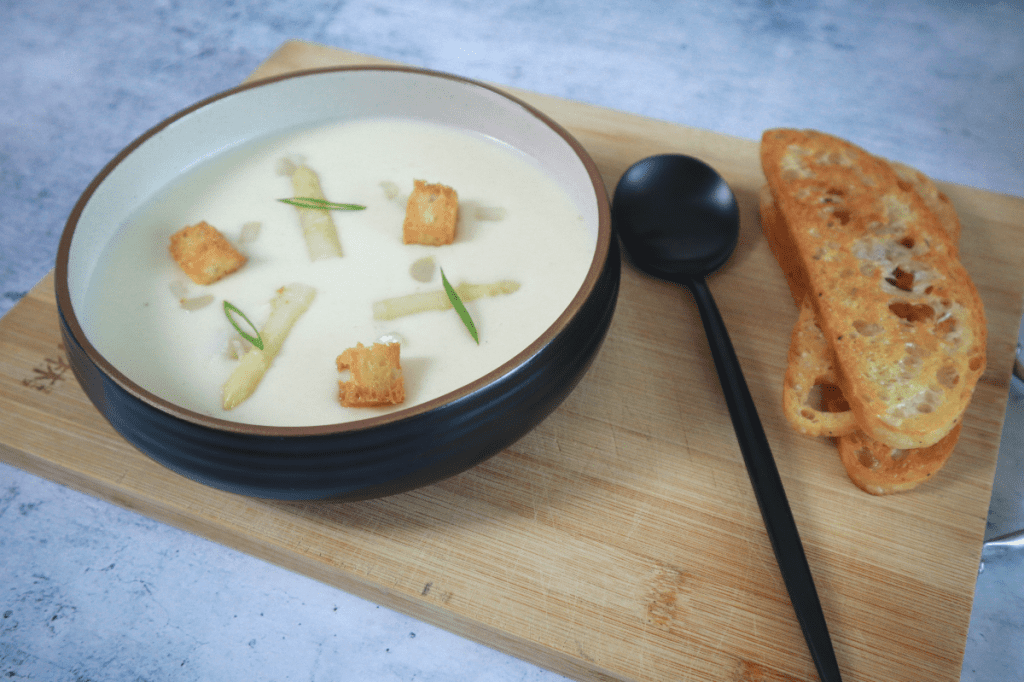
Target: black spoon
column 678, row 220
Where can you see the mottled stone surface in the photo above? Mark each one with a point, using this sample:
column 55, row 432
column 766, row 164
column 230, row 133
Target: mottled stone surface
column 90, row 591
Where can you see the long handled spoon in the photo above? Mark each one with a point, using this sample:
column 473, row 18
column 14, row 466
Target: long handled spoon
column 678, row 220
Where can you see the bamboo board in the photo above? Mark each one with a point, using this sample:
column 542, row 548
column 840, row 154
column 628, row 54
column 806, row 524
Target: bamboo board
column 620, row 540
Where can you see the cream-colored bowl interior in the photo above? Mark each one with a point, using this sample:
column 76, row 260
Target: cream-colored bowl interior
column 294, row 103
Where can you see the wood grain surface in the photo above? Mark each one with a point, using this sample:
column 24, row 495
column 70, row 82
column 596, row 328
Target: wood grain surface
column 620, row 539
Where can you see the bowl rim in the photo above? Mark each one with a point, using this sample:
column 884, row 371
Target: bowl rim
column 66, row 309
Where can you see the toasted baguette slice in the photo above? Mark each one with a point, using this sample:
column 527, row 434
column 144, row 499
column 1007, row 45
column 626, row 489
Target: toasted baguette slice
column 882, row 470
column 812, row 402
column 875, row 468
column 898, row 310
column 811, row 398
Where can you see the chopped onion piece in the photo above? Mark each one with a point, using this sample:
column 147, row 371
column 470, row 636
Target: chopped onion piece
column 178, row 288
column 422, row 270
column 250, row 232
column 237, row 347
column 391, row 337
column 196, row 302
column 490, row 213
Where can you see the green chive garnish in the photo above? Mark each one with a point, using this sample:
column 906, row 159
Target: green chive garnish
column 459, row 308
column 257, row 340
column 322, row 204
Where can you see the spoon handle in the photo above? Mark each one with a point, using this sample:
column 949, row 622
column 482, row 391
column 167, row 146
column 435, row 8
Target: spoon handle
column 771, row 497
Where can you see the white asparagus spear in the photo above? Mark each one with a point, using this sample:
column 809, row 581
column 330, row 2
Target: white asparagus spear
column 317, row 225
column 285, row 308
column 390, row 308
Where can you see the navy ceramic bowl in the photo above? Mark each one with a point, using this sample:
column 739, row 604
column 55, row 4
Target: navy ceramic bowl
column 372, row 457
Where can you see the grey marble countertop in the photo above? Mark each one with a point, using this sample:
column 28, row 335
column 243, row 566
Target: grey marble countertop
column 89, row 591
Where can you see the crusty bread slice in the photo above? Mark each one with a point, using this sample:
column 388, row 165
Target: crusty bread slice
column 899, row 312
column 812, row 401
column 874, row 467
column 882, row 470
column 811, row 398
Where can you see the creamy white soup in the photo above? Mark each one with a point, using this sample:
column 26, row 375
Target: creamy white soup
column 515, row 223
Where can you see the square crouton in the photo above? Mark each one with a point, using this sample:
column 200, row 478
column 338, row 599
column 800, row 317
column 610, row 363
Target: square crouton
column 376, row 376
column 430, row 214
column 204, row 253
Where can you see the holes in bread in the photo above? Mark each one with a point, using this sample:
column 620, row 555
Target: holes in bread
column 909, row 366
column 976, row 363
column 945, row 327
column 867, row 328
column 898, row 212
column 947, row 376
column 901, row 279
column 824, row 396
column 927, row 401
column 832, row 398
column 836, row 212
column 908, row 242
column 885, row 230
column 914, row 349
column 911, row 312
column 867, row 459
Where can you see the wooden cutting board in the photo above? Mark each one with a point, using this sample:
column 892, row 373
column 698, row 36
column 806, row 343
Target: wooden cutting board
column 620, row 539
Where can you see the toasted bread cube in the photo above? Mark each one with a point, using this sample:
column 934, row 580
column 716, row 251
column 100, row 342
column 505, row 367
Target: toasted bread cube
column 204, row 253
column 430, row 214
column 376, row 376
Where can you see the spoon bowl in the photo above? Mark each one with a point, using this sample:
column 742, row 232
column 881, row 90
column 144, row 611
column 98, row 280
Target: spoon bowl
column 678, row 220
column 676, row 217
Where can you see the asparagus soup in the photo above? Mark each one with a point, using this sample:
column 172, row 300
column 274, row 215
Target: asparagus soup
column 516, row 228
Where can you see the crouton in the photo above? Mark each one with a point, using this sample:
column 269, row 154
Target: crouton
column 376, row 376
column 204, row 253
column 430, row 214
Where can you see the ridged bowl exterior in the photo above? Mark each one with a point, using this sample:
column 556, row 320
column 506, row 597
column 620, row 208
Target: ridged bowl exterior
column 367, row 463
